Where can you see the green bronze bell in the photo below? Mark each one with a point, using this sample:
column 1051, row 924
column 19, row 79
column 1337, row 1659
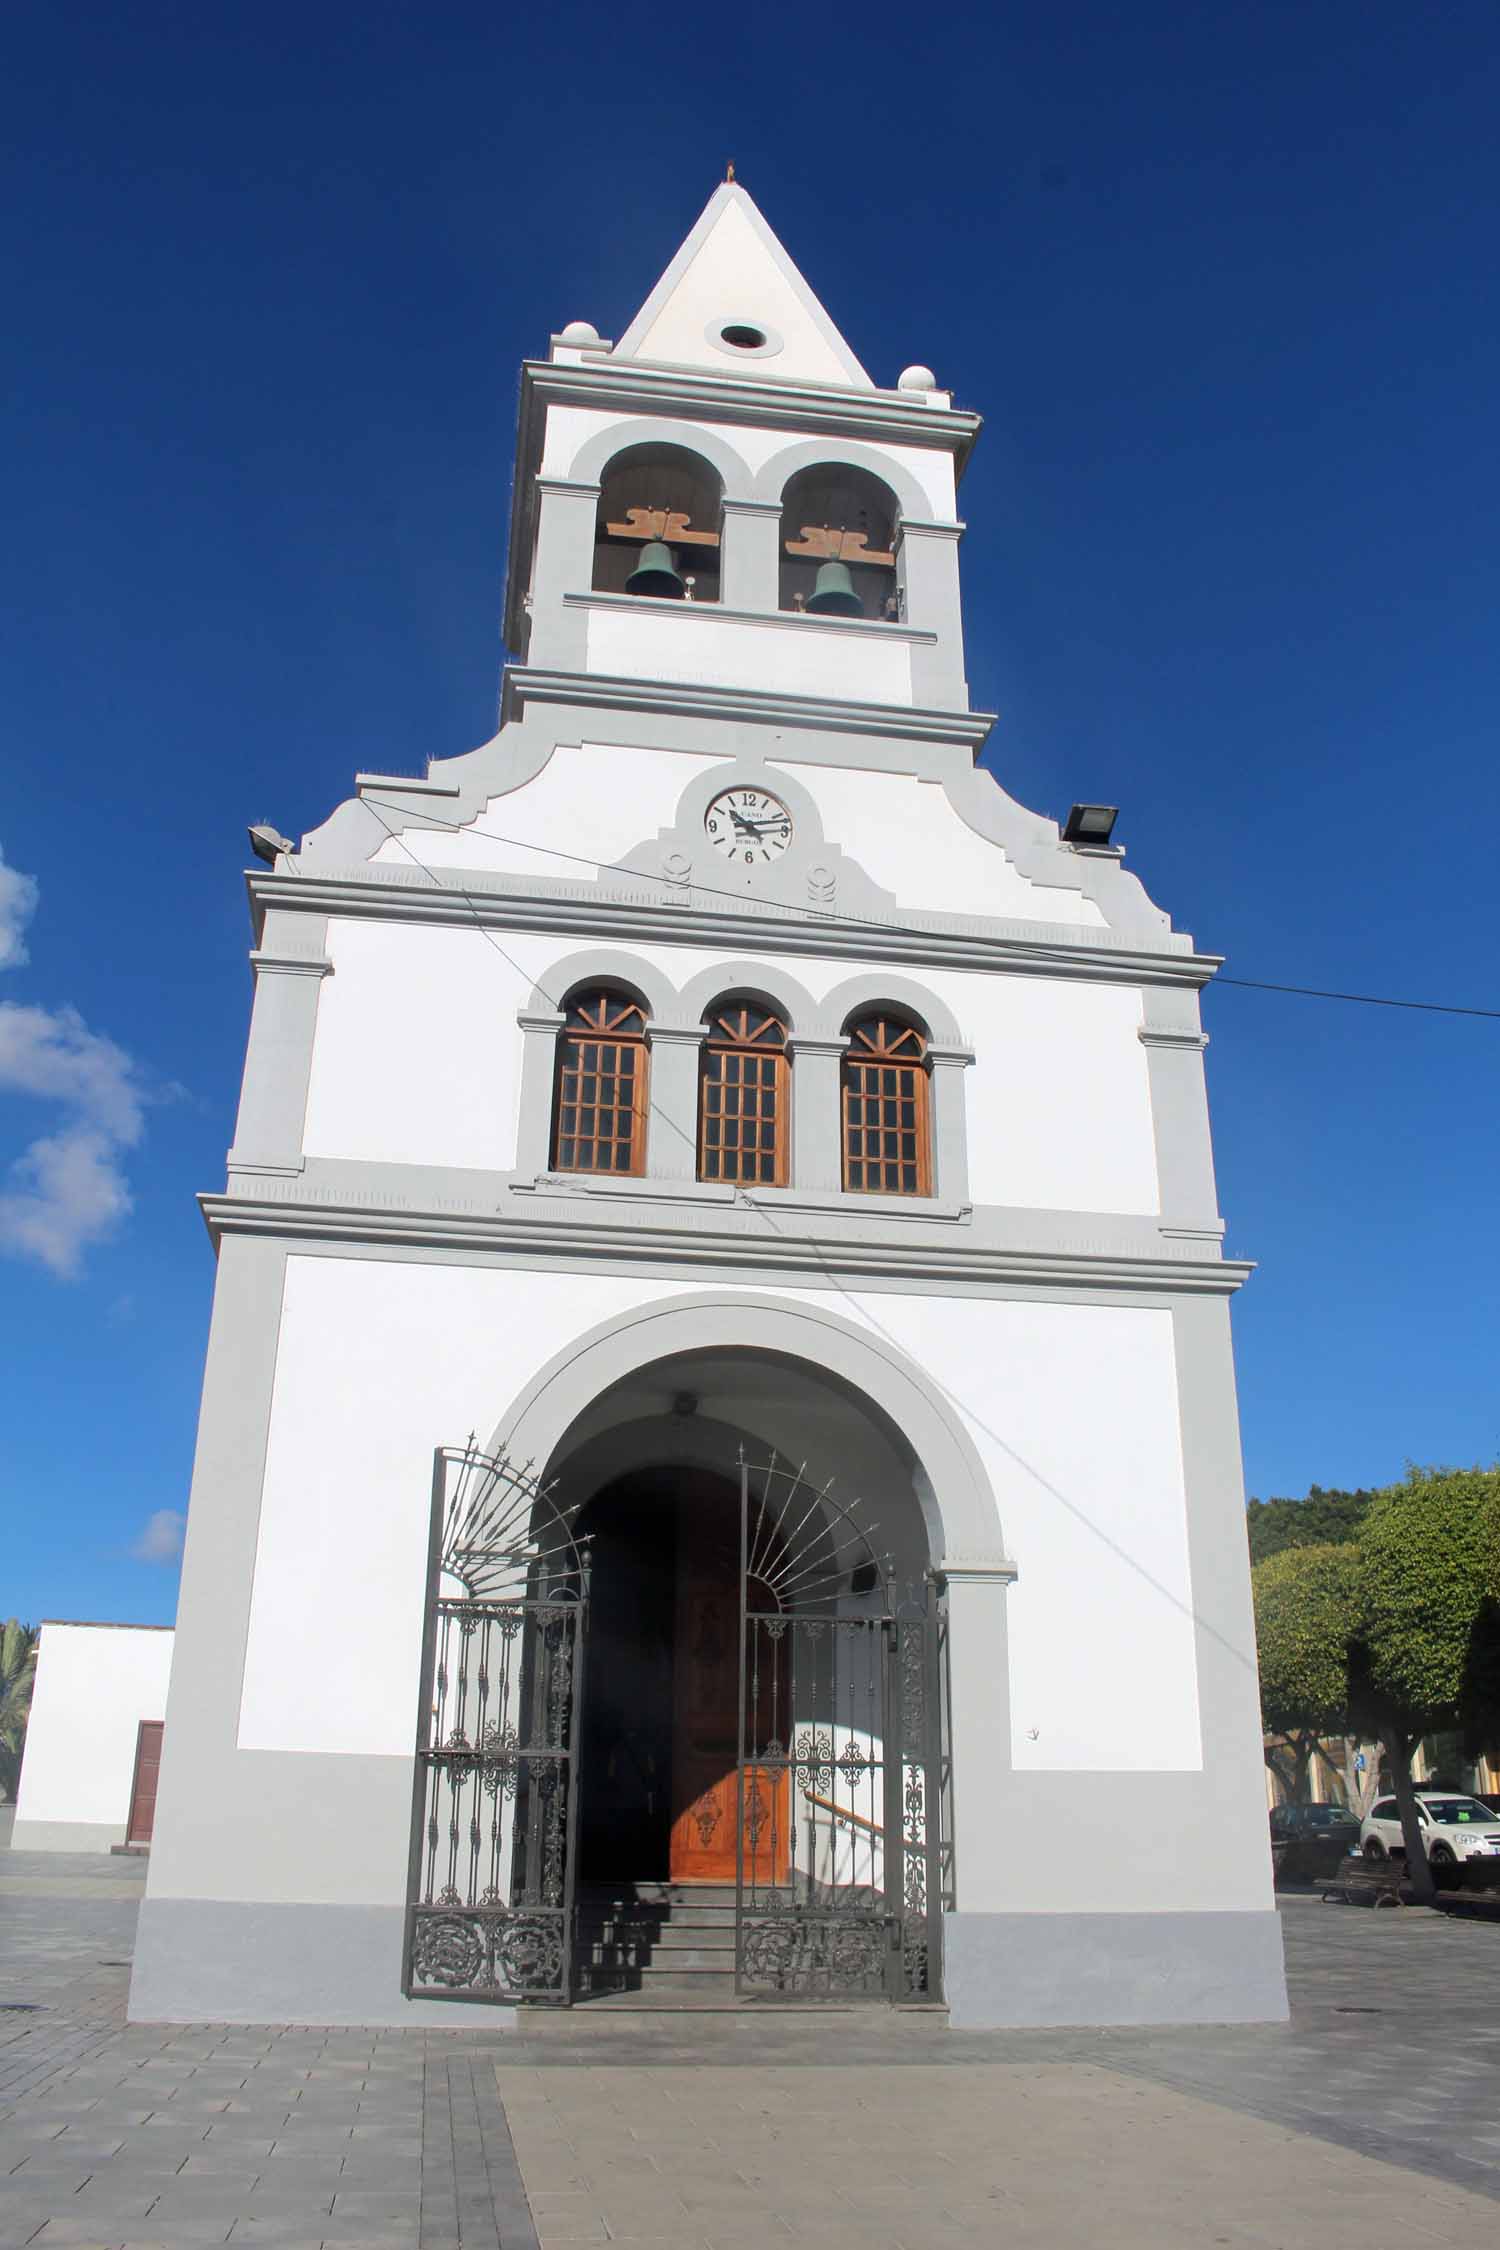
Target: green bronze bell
column 833, row 592
column 656, row 573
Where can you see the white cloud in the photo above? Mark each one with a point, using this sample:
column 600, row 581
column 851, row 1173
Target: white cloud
column 161, row 1541
column 67, row 1189
column 18, row 896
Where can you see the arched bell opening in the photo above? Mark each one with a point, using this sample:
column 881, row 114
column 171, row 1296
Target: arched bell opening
column 659, row 525
column 838, row 538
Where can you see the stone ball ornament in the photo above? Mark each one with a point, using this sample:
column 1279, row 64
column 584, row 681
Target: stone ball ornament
column 917, row 378
column 579, row 332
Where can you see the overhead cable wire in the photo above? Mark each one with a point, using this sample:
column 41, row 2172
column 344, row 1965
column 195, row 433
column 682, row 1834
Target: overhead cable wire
column 829, row 914
column 746, row 1200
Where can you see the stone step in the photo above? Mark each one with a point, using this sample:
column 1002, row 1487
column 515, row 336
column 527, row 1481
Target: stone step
column 658, row 1957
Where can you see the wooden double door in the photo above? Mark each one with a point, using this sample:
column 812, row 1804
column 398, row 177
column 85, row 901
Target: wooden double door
column 660, row 1777
column 706, row 1718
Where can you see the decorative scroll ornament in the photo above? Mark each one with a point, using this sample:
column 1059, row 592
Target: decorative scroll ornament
column 446, row 1950
column 529, row 1953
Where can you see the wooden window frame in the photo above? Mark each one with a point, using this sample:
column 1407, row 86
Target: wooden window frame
column 740, row 1028
column 614, row 1024
column 891, row 1044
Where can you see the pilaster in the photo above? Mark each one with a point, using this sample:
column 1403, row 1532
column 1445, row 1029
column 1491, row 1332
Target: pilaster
column 817, row 1142
column 927, row 574
column 950, row 1132
column 672, row 1126
column 278, row 1055
column 539, row 1030
column 979, row 1704
column 563, row 563
column 1171, row 1033
column 750, row 557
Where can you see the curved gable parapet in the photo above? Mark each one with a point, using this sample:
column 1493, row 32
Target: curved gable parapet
column 1034, row 845
column 611, row 804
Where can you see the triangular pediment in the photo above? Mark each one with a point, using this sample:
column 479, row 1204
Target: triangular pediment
column 732, row 273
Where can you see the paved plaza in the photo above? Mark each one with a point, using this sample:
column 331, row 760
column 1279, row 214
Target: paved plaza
column 1373, row 2118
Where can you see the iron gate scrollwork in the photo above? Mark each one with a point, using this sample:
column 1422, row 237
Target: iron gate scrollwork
column 490, row 1900
column 839, row 1884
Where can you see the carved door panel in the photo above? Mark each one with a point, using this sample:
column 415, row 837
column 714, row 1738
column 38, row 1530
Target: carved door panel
column 705, row 1737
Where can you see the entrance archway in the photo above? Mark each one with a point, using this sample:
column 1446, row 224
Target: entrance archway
column 760, row 1756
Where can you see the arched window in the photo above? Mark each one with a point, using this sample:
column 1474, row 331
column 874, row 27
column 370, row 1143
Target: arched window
column 657, row 531
column 887, row 1130
column 742, row 1106
column 599, row 1118
column 838, row 537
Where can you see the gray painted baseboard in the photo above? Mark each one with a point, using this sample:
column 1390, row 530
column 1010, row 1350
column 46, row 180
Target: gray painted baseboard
column 1037, row 1969
column 66, row 1835
column 222, row 1961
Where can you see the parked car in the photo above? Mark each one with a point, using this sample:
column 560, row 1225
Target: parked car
column 1331, row 1824
column 1454, row 1827
column 1308, row 1841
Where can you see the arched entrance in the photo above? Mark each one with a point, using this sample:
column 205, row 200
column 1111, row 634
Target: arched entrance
column 753, row 1735
column 760, row 1773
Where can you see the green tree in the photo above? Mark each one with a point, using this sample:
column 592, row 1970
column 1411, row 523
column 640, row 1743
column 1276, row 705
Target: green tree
column 1306, row 1615
column 18, row 1647
column 1428, row 1552
column 1322, row 1518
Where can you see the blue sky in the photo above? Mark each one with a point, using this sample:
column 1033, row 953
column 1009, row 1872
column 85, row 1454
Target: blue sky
column 1221, row 281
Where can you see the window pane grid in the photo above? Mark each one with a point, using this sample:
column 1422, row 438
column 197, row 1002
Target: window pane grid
column 601, row 1087
column 742, row 1108
column 885, row 1110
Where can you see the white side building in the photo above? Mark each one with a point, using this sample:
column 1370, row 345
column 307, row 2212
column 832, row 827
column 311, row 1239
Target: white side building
column 93, row 1738
column 783, row 1162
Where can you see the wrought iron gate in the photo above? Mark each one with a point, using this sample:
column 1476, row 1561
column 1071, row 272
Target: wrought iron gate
column 841, row 1756
column 490, row 1899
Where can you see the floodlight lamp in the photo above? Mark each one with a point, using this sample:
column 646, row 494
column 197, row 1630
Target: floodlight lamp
column 1091, row 824
column 268, row 843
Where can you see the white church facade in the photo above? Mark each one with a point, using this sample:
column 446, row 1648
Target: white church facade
column 719, row 1473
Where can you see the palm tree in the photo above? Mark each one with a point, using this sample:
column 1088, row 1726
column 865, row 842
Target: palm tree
column 18, row 1647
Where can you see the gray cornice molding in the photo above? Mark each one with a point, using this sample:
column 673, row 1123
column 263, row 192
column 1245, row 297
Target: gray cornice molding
column 734, row 507
column 1150, row 1035
column 694, row 1194
column 597, row 691
column 294, row 1217
column 408, row 785
column 960, row 1570
column 793, row 620
column 399, row 894
column 703, row 394
column 291, row 964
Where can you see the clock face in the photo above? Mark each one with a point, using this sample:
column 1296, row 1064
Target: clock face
column 749, row 826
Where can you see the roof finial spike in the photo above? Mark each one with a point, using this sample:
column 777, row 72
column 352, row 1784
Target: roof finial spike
column 729, row 172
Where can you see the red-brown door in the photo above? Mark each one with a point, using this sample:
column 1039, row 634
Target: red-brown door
column 706, row 1713
column 143, row 1786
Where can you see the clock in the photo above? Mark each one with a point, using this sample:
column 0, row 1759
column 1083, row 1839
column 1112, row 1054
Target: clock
column 748, row 826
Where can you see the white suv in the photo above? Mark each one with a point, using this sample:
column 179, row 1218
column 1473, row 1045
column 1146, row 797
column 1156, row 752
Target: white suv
column 1454, row 1827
